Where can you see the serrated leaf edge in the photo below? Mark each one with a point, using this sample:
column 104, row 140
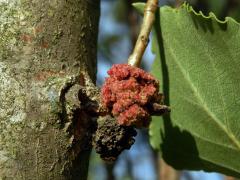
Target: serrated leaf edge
column 190, row 9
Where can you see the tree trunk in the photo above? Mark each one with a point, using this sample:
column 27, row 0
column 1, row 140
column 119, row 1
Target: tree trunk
column 167, row 172
column 46, row 49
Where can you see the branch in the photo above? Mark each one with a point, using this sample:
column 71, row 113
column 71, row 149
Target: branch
column 143, row 38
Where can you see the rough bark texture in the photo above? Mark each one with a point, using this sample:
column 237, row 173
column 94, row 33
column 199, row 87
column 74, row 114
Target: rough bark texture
column 46, row 49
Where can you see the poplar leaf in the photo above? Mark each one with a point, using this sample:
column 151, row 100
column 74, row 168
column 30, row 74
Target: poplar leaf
column 198, row 65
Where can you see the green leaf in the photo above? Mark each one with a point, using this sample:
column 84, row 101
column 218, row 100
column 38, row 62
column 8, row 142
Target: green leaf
column 198, row 64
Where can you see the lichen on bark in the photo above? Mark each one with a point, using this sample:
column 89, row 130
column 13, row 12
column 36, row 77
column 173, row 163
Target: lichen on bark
column 43, row 46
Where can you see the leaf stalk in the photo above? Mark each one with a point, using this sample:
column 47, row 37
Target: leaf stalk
column 143, row 37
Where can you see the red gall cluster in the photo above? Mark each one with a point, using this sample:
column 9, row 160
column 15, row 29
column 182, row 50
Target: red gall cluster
column 129, row 93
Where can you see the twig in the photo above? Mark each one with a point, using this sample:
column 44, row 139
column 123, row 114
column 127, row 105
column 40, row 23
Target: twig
column 143, row 38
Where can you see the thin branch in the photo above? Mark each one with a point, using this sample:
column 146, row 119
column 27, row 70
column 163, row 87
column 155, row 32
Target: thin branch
column 143, row 38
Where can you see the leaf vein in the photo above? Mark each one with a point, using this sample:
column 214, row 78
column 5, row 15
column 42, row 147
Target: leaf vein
column 198, row 96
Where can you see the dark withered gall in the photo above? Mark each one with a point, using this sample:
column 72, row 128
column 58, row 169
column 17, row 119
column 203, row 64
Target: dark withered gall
column 111, row 138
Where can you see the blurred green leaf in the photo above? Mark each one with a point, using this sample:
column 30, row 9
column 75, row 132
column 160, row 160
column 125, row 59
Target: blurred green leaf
column 120, row 11
column 198, row 64
column 217, row 6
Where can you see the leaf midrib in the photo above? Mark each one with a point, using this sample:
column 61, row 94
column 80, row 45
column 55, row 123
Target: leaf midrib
column 206, row 109
column 207, row 159
column 234, row 148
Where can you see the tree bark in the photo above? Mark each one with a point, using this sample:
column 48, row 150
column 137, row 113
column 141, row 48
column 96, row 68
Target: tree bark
column 167, row 172
column 47, row 48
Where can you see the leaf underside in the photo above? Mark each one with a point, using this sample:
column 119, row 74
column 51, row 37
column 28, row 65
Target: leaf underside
column 198, row 64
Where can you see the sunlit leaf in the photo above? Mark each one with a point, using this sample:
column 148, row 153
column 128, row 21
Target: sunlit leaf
column 198, row 64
